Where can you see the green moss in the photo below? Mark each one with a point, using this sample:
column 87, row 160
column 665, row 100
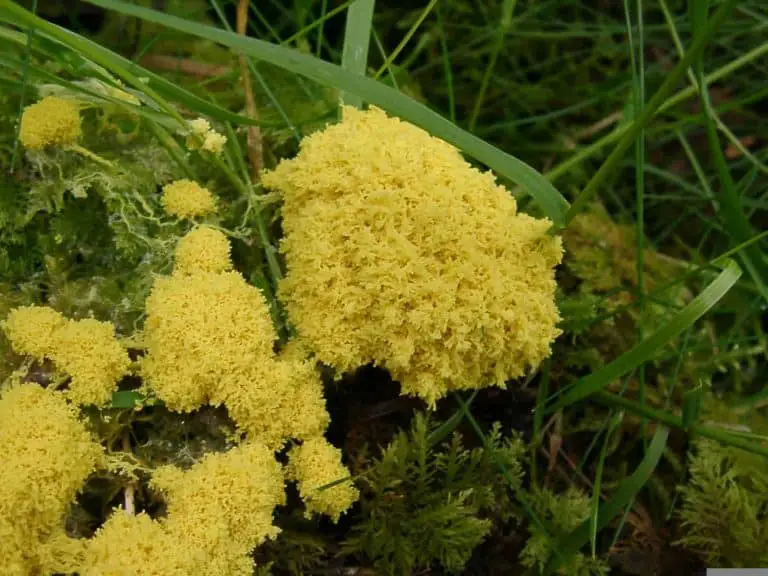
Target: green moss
column 423, row 505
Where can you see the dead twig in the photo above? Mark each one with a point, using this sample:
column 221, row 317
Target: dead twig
column 184, row 65
column 130, row 489
column 255, row 152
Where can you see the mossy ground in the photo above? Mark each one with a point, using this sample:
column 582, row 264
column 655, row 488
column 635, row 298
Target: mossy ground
column 550, row 84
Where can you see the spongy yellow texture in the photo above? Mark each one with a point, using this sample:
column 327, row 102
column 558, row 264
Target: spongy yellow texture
column 86, row 350
column 283, row 399
column 200, row 330
column 46, row 455
column 315, row 464
column 51, row 121
column 402, row 254
column 223, row 506
column 218, row 511
column 31, row 329
column 135, row 546
column 210, row 339
column 204, row 249
column 187, row 199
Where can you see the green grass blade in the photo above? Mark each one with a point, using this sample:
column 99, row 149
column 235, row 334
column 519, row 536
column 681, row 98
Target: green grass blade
column 725, row 437
column 551, row 202
column 124, row 399
column 624, row 494
column 646, row 349
column 507, row 9
column 407, row 38
column 729, row 209
column 447, row 70
column 594, row 521
column 615, row 158
column 71, row 43
column 24, row 86
column 357, row 39
column 638, row 101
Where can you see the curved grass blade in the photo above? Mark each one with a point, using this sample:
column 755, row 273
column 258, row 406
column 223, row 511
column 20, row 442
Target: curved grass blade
column 357, row 39
column 646, row 349
column 552, row 203
column 624, row 494
column 725, row 437
column 60, row 39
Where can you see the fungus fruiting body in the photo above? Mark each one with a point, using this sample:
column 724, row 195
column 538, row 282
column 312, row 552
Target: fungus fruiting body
column 187, row 199
column 86, row 350
column 46, row 454
column 322, row 479
column 218, row 511
column 53, row 121
column 210, row 340
column 203, row 137
column 204, row 249
column 401, row 254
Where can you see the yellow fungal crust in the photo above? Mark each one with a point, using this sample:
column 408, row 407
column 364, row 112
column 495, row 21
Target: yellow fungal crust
column 202, row 329
column 31, row 329
column 218, row 511
column 135, row 546
column 187, row 199
column 402, row 254
column 315, row 464
column 284, row 399
column 223, row 506
column 205, row 249
column 210, row 340
column 46, row 454
column 52, row 121
column 86, row 350
column 202, row 136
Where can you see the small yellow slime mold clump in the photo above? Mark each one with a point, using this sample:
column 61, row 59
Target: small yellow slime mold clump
column 52, row 121
column 46, row 454
column 223, row 506
column 86, row 350
column 187, row 199
column 218, row 511
column 400, row 253
column 135, row 546
column 210, row 340
column 31, row 329
column 315, row 464
column 205, row 249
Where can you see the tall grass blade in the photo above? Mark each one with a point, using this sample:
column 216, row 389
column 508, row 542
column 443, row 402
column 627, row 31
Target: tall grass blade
column 729, row 200
column 721, row 435
column 646, row 349
column 357, row 39
column 624, row 494
column 551, row 202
